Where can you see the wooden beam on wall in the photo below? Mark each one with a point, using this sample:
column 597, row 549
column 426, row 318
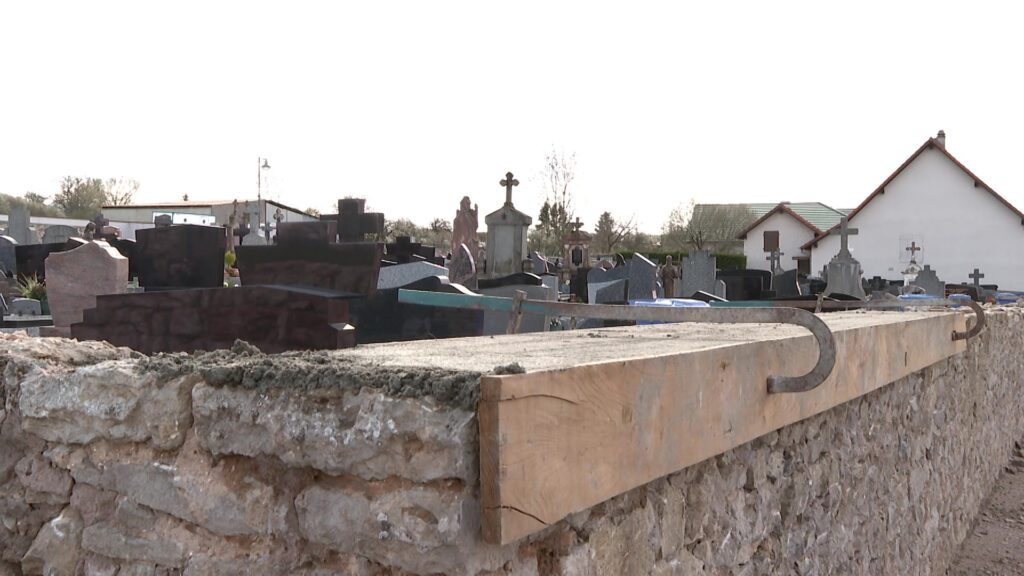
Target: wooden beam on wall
column 557, row 442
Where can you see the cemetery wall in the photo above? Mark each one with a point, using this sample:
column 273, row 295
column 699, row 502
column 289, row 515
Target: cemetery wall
column 233, row 462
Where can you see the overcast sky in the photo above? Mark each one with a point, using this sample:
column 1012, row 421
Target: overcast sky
column 416, row 104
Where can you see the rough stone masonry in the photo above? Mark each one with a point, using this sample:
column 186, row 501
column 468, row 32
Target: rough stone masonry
column 234, row 462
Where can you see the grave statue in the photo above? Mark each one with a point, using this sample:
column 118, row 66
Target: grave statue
column 464, row 227
column 668, row 277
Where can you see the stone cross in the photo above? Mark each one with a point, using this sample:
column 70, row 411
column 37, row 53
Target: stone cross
column 976, row 276
column 354, row 223
column 914, row 248
column 100, row 222
column 775, row 258
column 844, row 233
column 508, row 183
column 576, row 226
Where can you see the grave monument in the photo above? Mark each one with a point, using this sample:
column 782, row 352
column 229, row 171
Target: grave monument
column 76, row 277
column 506, row 234
column 844, row 271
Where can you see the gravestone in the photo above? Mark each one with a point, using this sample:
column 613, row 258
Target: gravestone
column 163, row 221
column 18, row 225
column 273, row 318
column 698, row 273
column 307, row 233
column 844, row 271
column 643, row 279
column 462, row 269
column 975, row 277
column 181, row 256
column 31, row 258
column 464, row 228
column 403, row 251
column 354, row 223
column 929, row 281
column 745, row 284
column 76, row 277
column 253, row 240
column 540, row 263
column 497, row 322
column 8, row 259
column 517, row 279
column 25, row 307
column 607, row 285
column 576, row 247
column 578, row 284
column 305, row 256
column 381, row 318
column 506, row 234
column 786, row 284
column 59, row 233
column 402, row 274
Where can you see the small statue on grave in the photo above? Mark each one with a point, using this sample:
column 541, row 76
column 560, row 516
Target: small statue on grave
column 668, row 277
column 90, row 231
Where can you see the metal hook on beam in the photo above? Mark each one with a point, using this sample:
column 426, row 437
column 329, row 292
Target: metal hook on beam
column 770, row 315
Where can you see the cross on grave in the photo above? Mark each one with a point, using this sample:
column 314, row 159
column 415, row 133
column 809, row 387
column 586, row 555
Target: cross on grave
column 844, row 235
column 576, row 226
column 100, row 222
column 508, row 183
column 354, row 223
column 913, row 248
column 976, row 276
column 775, row 257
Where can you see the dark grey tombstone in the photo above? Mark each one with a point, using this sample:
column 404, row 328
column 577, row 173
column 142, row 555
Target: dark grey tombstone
column 745, row 284
column 163, row 221
column 613, row 292
column 354, row 223
column 18, row 225
column 183, row 256
column 307, row 233
column 8, row 260
column 31, row 258
column 25, row 307
column 598, row 278
column 843, row 272
column 517, row 279
column 786, row 284
column 697, row 273
column 59, row 233
column 643, row 279
column 540, row 264
column 929, row 281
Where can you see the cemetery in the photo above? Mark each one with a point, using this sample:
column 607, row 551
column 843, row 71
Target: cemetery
column 318, row 399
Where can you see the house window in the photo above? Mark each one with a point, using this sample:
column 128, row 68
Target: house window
column 771, row 240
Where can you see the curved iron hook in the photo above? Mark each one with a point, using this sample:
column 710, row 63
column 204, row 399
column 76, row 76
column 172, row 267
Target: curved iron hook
column 979, row 321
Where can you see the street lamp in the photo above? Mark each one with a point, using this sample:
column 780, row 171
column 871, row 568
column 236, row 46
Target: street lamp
column 261, row 166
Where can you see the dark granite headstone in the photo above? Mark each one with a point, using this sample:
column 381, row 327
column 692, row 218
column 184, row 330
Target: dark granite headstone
column 578, row 284
column 353, row 223
column 518, row 279
column 786, row 284
column 643, row 279
column 182, row 256
column 31, row 258
column 745, row 284
column 381, row 318
column 272, row 318
column 403, row 251
column 297, row 234
column 351, row 267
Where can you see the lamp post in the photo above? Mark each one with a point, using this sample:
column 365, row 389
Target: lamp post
column 261, row 166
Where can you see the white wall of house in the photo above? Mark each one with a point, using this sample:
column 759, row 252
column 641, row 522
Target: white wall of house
column 792, row 235
column 959, row 226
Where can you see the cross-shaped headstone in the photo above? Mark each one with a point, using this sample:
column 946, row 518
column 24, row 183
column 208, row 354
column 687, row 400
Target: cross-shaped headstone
column 913, row 248
column 100, row 222
column 576, row 226
column 844, row 235
column 775, row 257
column 508, row 183
column 976, row 276
column 354, row 223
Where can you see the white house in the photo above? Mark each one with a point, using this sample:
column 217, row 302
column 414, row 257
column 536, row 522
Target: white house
column 793, row 224
column 935, row 203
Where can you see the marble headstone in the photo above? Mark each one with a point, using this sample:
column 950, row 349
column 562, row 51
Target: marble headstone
column 698, row 274
column 25, row 307
column 643, row 279
column 76, row 277
column 17, row 225
column 402, row 274
column 59, row 233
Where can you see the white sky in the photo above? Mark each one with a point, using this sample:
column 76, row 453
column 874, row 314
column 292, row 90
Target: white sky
column 415, row 104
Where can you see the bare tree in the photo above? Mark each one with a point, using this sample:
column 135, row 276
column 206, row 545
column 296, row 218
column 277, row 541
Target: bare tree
column 556, row 216
column 609, row 233
column 120, row 191
column 704, row 226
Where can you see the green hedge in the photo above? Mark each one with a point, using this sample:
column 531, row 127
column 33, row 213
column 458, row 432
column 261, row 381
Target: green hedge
column 724, row 261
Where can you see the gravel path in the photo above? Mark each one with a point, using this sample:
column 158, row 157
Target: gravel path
column 996, row 544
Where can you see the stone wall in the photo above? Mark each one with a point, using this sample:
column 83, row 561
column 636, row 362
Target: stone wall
column 233, row 462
